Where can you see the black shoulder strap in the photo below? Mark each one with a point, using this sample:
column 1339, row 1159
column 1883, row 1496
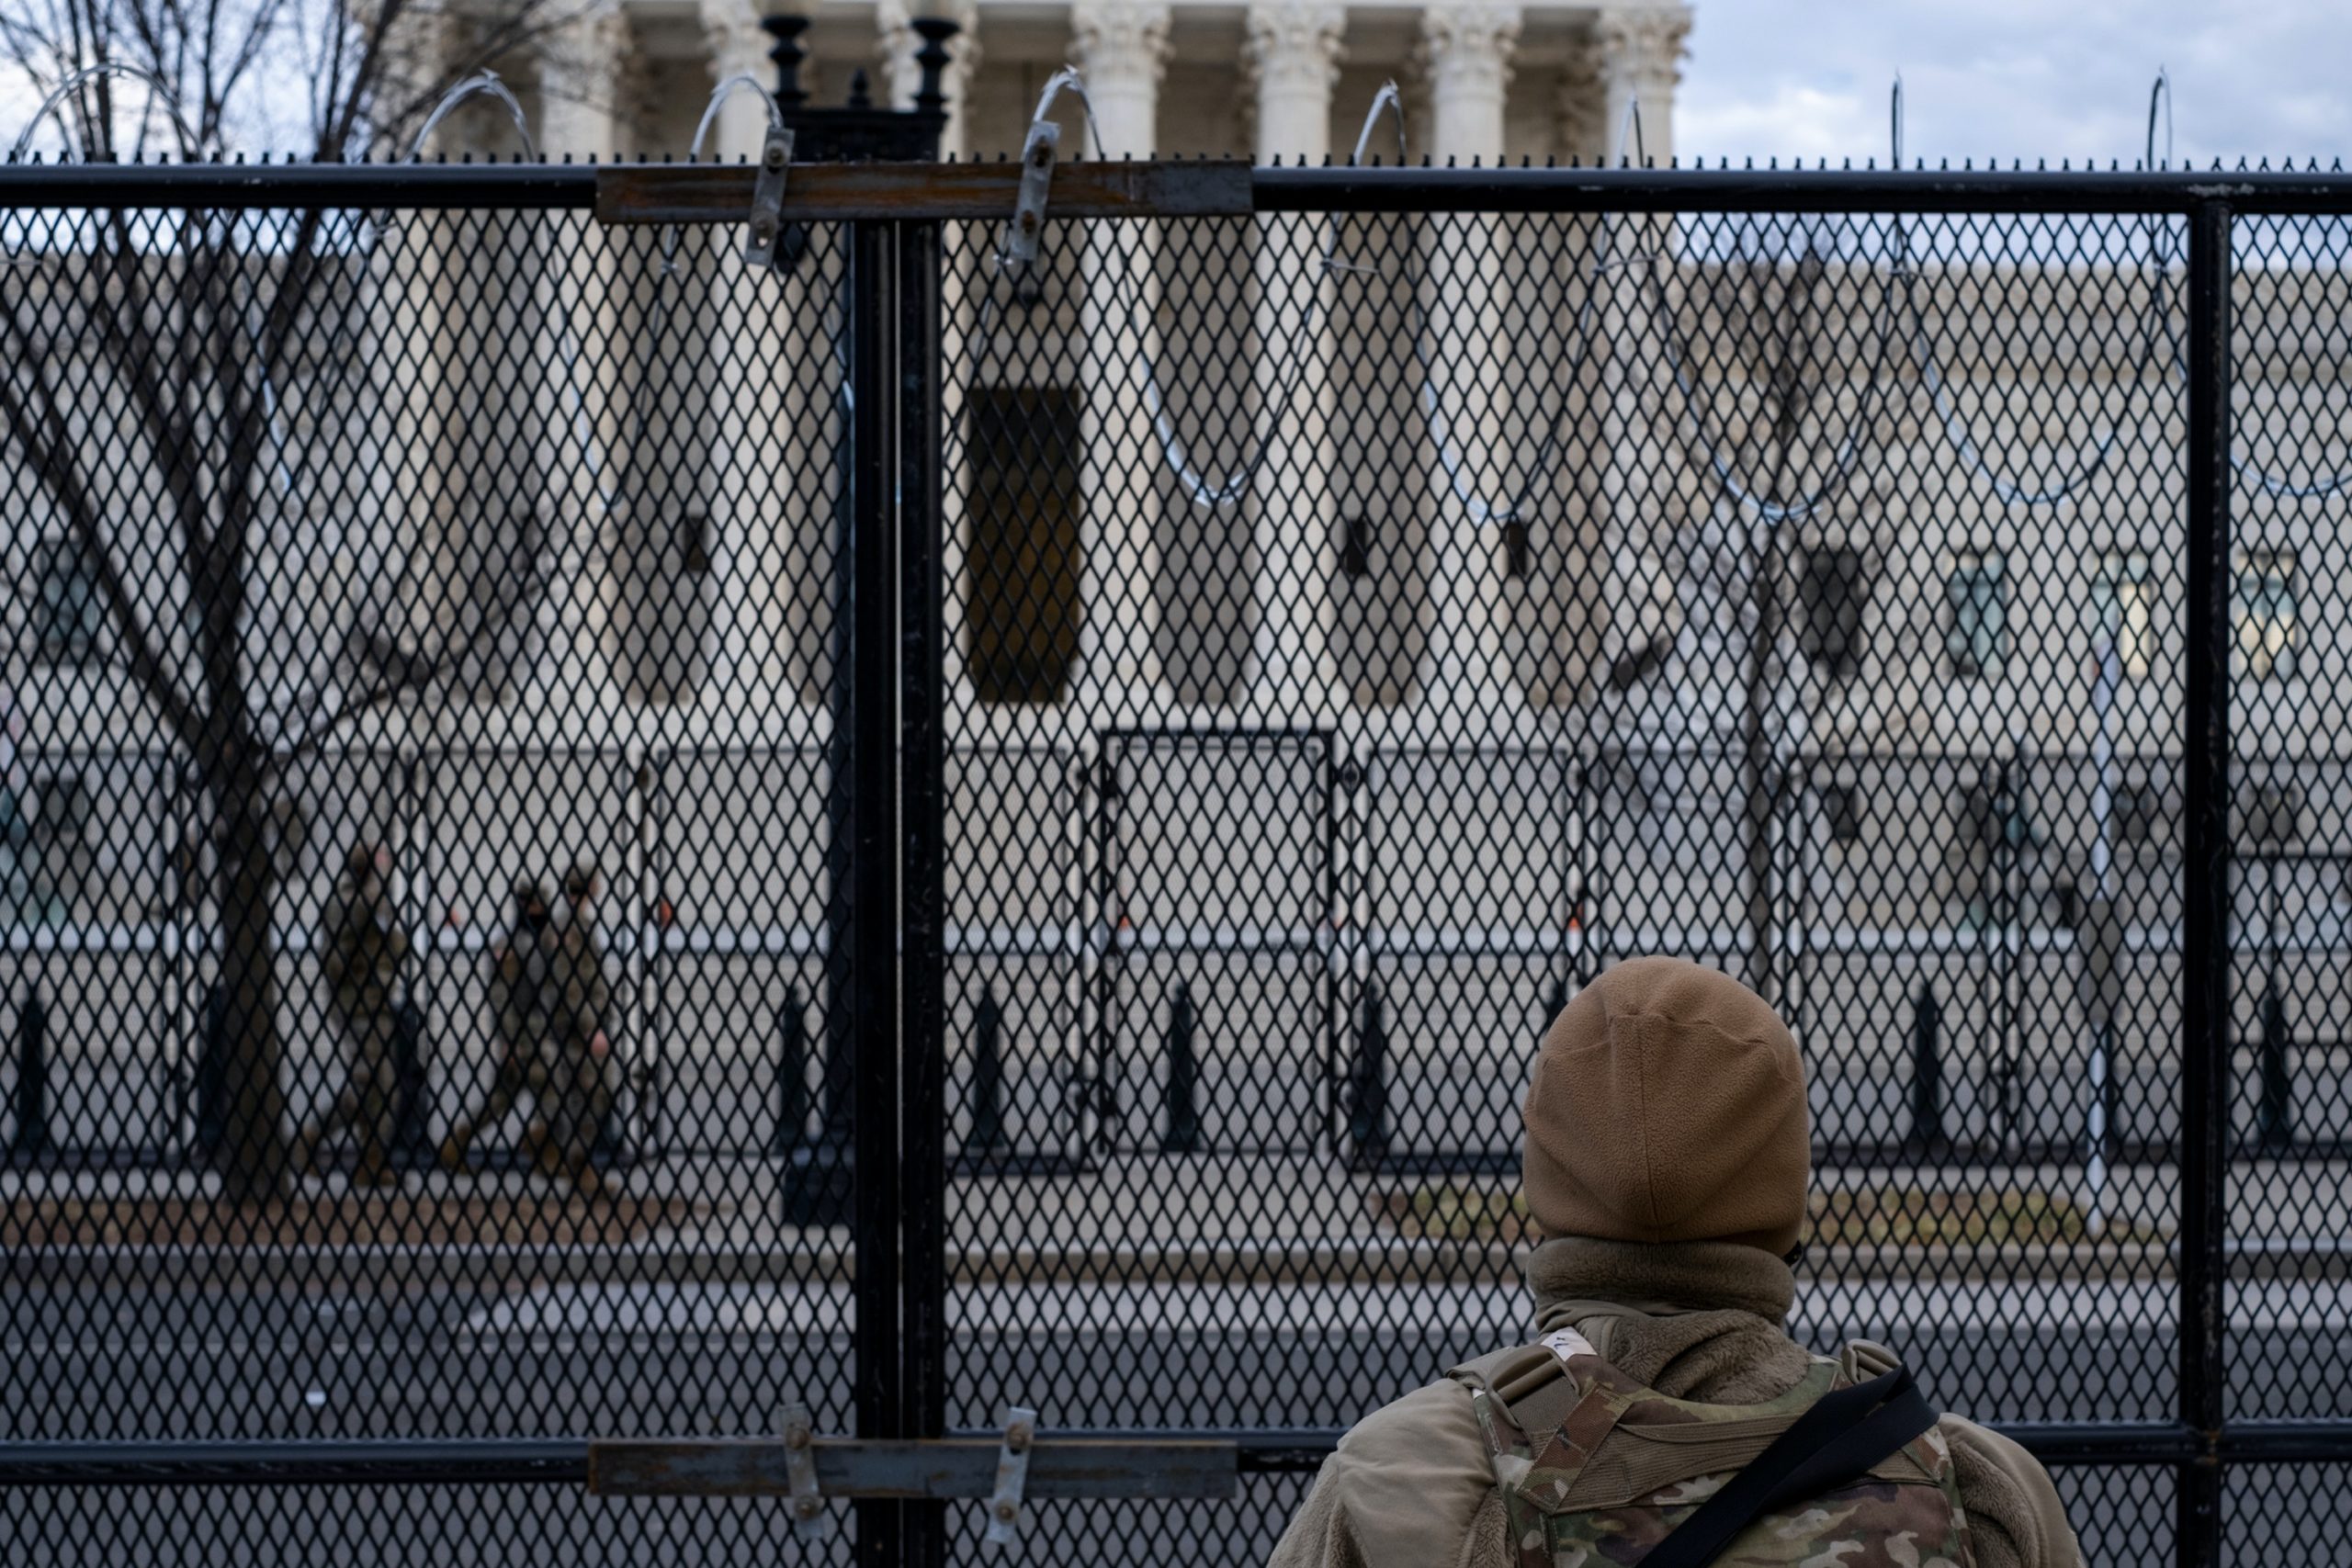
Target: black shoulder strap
column 1846, row 1431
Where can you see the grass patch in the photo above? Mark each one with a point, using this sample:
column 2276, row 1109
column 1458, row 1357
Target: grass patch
column 1915, row 1216
column 1455, row 1211
column 1885, row 1216
column 334, row 1219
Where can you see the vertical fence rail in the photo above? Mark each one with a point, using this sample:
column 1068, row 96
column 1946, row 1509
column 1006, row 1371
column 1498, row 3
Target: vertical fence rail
column 2205, row 893
column 923, row 897
column 875, row 861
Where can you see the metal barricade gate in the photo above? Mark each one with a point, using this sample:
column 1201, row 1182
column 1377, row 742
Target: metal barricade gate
column 949, row 1396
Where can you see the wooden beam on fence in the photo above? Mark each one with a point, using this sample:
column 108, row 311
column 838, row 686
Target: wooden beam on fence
column 813, row 193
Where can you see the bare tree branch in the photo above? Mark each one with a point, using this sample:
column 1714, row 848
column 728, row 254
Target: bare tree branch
column 47, row 441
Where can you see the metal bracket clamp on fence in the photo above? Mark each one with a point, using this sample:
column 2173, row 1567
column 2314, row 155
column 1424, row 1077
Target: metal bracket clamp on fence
column 767, row 198
column 1027, row 233
column 767, row 184
column 1011, row 1476
column 1004, row 1468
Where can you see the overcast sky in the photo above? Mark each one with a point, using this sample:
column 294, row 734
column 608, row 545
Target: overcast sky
column 2015, row 78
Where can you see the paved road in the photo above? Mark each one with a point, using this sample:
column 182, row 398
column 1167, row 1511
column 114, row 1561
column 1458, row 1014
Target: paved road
column 89, row 1362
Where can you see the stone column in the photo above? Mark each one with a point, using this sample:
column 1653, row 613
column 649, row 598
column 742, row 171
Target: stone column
column 1635, row 50
column 1466, row 50
column 731, row 35
column 1121, row 46
column 1292, row 48
column 1580, row 106
column 580, row 67
column 1640, row 49
column 598, row 298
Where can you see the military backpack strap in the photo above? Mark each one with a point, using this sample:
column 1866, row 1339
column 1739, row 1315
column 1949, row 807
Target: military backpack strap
column 1523, row 1396
column 1844, row 1433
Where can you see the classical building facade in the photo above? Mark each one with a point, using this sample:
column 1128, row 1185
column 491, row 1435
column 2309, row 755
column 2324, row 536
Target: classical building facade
column 1285, row 79
column 1401, row 578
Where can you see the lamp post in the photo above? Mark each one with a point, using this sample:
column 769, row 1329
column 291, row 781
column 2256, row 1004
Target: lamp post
column 820, row 1179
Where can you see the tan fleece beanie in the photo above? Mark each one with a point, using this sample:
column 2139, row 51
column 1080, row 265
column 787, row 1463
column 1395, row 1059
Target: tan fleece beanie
column 1667, row 1104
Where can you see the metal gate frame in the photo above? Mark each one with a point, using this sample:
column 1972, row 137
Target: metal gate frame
column 894, row 215
column 1105, row 912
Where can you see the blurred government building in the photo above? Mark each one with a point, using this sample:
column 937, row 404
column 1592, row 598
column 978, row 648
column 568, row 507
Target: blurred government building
column 1358, row 632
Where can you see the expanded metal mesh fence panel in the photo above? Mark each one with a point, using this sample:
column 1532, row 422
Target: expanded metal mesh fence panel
column 456, row 1527
column 2286, row 1512
column 2122, row 1517
column 453, row 847
column 1430, row 611
column 421, row 856
column 1242, row 1530
column 2292, row 811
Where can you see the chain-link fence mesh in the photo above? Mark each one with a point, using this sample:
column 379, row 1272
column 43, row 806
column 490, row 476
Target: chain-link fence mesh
column 429, row 904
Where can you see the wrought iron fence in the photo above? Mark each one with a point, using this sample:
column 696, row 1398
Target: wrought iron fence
column 1207, row 698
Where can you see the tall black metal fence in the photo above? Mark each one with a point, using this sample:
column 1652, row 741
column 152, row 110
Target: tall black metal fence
column 1009, row 829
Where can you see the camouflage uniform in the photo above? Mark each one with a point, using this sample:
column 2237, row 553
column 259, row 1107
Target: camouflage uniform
column 521, row 964
column 547, row 1000
column 365, row 949
column 1416, row 1483
column 586, row 1078
column 1594, row 1468
column 1668, row 1154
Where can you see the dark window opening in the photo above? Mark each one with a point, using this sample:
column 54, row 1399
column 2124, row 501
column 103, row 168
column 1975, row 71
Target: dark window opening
column 2269, row 620
column 1832, row 595
column 2135, row 810
column 1355, row 546
column 2272, row 817
column 69, row 616
column 1842, row 812
column 1515, row 549
column 1999, row 818
column 1977, row 640
column 48, row 836
column 1023, row 613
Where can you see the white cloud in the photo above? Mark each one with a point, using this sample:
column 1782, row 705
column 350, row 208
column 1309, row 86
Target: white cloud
column 1792, row 121
column 2009, row 79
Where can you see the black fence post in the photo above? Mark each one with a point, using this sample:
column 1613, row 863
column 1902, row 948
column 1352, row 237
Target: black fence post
column 413, row 1142
column 1554, row 1005
column 1181, row 1133
column 209, row 1083
column 2274, row 1122
column 1368, row 1084
column 30, row 1120
column 987, row 1132
column 2205, row 892
column 869, row 1029
column 791, row 1073
column 1928, row 1072
column 924, row 1329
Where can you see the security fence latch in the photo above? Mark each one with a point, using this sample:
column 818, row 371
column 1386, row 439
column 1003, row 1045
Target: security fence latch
column 1003, row 1469
column 1011, row 1476
column 1028, row 231
column 767, row 198
column 810, row 1519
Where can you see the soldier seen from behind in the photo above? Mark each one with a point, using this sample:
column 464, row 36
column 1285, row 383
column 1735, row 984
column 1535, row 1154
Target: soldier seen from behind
column 1660, row 1413
column 364, row 947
